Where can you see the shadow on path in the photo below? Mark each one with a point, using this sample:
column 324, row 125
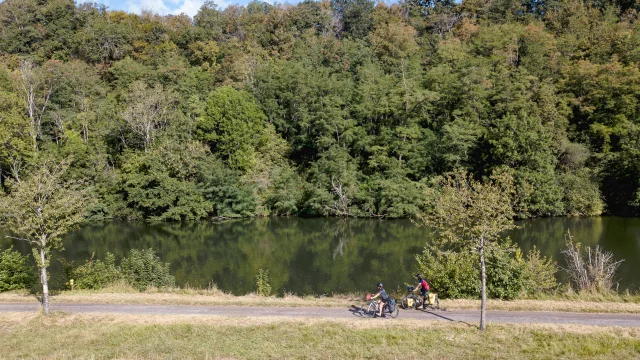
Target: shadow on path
column 448, row 319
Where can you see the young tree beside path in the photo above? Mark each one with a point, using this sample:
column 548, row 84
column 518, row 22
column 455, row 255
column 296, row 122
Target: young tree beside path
column 471, row 215
column 40, row 209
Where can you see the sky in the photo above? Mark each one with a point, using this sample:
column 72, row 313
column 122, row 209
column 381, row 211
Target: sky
column 165, row 7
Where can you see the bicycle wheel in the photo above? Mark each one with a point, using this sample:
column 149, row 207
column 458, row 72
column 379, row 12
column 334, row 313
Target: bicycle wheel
column 394, row 313
column 417, row 303
column 372, row 310
column 405, row 303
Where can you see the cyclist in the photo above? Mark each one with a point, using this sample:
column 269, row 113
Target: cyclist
column 424, row 289
column 384, row 298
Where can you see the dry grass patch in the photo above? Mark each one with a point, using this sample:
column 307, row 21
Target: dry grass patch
column 588, row 303
column 182, row 297
column 545, row 305
column 187, row 336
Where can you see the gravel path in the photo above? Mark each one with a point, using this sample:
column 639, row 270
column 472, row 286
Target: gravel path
column 465, row 316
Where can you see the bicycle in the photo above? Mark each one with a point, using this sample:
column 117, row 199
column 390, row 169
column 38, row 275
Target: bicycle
column 372, row 308
column 412, row 301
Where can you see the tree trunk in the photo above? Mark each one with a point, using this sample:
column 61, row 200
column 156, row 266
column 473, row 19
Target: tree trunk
column 45, row 283
column 483, row 306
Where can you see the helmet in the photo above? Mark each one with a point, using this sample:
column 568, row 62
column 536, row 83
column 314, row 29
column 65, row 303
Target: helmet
column 380, row 285
column 419, row 276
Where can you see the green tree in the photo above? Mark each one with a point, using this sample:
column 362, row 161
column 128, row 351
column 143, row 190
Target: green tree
column 233, row 124
column 356, row 16
column 40, row 209
column 472, row 215
column 161, row 184
column 15, row 142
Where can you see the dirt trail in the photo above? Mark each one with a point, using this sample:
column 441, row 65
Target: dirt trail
column 465, row 316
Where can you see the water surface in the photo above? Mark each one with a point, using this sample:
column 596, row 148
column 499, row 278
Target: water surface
column 322, row 256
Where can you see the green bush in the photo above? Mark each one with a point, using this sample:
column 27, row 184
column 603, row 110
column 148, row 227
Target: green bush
column 505, row 274
column 539, row 274
column 581, row 194
column 451, row 274
column 143, row 269
column 456, row 275
column 15, row 273
column 94, row 274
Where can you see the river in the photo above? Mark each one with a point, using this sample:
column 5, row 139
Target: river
column 322, row 255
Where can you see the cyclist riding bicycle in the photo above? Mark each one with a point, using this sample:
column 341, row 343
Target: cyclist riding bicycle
column 384, row 298
column 424, row 289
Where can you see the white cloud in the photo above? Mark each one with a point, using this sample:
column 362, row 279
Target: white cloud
column 156, row 6
column 164, row 7
column 189, row 7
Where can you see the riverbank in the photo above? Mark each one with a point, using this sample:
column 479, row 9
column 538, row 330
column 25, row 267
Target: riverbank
column 586, row 303
column 187, row 336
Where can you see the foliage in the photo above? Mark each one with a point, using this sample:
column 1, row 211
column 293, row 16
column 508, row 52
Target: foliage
column 263, row 288
column 468, row 213
column 339, row 108
column 94, row 274
column 143, row 269
column 233, row 124
column 42, row 208
column 15, row 272
column 505, row 274
column 161, row 185
column 539, row 273
column 15, row 144
column 453, row 275
column 470, row 216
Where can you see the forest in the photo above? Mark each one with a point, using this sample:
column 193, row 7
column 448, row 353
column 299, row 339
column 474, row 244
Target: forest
column 325, row 108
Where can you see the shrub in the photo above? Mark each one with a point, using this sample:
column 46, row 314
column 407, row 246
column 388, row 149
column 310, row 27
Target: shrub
column 143, row 269
column 94, row 274
column 581, row 194
column 539, row 273
column 505, row 274
column 15, row 273
column 456, row 275
column 263, row 288
column 453, row 275
column 590, row 269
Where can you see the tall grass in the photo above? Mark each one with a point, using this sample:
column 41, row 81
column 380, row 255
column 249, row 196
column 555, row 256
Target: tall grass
column 263, row 288
column 135, row 336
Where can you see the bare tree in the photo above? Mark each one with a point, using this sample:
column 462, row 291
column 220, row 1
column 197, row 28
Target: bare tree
column 40, row 209
column 342, row 204
column 35, row 86
column 443, row 23
column 590, row 269
column 148, row 110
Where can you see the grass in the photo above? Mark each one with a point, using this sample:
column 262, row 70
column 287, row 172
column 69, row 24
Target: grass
column 134, row 336
column 121, row 293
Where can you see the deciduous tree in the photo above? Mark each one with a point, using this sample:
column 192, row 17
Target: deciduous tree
column 471, row 215
column 40, row 209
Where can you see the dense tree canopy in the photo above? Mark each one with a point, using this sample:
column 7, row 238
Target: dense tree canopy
column 341, row 107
